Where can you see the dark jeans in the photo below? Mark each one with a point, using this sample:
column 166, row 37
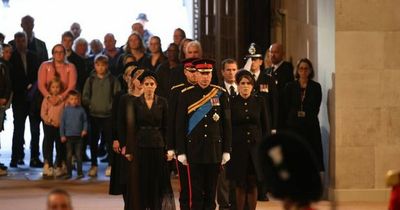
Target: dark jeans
column 103, row 127
column 74, row 148
column 203, row 179
column 20, row 112
column 51, row 136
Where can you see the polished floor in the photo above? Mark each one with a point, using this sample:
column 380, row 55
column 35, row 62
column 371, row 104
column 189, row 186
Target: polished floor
column 25, row 189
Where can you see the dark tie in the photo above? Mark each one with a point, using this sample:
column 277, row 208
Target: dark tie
column 232, row 91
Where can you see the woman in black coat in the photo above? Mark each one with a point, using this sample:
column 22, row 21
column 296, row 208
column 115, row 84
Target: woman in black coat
column 302, row 101
column 123, row 179
column 250, row 126
column 149, row 128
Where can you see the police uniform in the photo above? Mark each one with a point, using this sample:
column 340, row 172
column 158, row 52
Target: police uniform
column 203, row 135
column 172, row 108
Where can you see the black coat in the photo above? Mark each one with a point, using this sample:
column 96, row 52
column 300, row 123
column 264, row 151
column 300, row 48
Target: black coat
column 128, row 173
column 38, row 47
column 5, row 81
column 250, row 126
column 307, row 126
column 282, row 75
column 212, row 135
column 164, row 79
column 21, row 79
column 150, row 125
column 81, row 69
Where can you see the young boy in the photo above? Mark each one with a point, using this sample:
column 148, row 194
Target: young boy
column 73, row 127
column 98, row 93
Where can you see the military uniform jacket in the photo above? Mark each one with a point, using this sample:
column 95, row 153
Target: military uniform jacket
column 172, row 107
column 265, row 86
column 212, row 135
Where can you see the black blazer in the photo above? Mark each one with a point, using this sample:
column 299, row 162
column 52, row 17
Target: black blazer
column 20, row 80
column 150, row 124
column 81, row 69
column 282, row 76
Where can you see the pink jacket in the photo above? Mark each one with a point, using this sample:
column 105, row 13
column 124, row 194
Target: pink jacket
column 51, row 114
column 68, row 77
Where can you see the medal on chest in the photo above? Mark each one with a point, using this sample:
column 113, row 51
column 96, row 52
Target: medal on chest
column 215, row 117
column 215, row 101
column 264, row 88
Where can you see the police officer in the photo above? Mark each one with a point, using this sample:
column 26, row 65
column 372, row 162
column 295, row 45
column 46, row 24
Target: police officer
column 203, row 134
column 190, row 73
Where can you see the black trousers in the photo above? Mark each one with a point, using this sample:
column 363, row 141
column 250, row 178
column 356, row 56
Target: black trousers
column 51, row 136
column 100, row 126
column 184, row 186
column 21, row 112
column 203, row 178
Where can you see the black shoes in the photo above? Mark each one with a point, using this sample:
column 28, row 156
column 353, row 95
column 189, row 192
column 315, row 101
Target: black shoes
column 13, row 164
column 21, row 162
column 36, row 163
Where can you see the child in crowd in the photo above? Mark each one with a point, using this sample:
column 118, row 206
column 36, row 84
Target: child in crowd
column 73, row 127
column 98, row 94
column 50, row 114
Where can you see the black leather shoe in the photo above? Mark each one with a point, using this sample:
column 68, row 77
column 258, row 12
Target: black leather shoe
column 21, row 162
column 13, row 164
column 36, row 163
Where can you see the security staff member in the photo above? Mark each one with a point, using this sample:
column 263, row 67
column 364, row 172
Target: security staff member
column 190, row 73
column 203, row 135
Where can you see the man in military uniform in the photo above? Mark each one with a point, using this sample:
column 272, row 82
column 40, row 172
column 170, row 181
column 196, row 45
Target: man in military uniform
column 203, row 134
column 190, row 73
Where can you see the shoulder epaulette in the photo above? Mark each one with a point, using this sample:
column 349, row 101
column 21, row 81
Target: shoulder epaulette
column 186, row 89
column 219, row 87
column 176, row 86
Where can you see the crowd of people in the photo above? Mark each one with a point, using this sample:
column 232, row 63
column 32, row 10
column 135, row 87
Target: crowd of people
column 149, row 108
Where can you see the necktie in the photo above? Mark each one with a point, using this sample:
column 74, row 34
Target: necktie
column 232, row 91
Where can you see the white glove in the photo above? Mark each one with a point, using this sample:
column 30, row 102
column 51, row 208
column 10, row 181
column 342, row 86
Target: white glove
column 170, row 154
column 225, row 158
column 182, row 158
column 273, row 131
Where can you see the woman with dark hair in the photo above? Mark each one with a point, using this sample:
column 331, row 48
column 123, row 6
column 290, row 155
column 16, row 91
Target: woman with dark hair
column 135, row 47
column 147, row 148
column 250, row 126
column 302, row 101
column 292, row 170
column 156, row 56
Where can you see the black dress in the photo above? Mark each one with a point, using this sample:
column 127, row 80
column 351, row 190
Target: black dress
column 150, row 126
column 250, row 125
column 118, row 178
column 124, row 174
column 303, row 114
